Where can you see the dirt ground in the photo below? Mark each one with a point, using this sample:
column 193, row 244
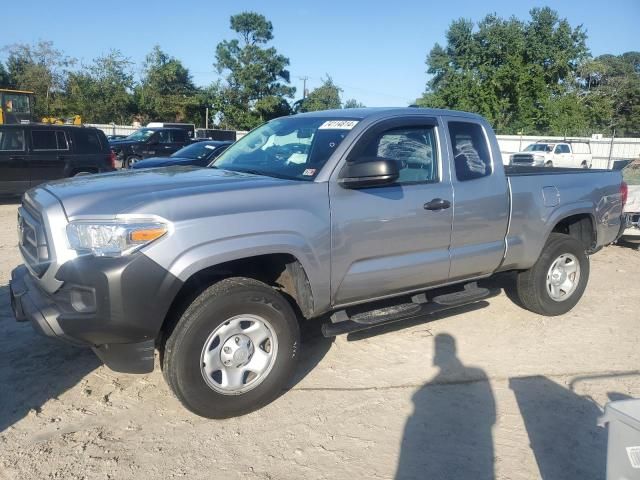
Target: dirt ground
column 485, row 392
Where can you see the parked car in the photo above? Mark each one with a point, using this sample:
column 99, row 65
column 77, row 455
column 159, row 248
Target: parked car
column 631, row 173
column 568, row 154
column 354, row 216
column 33, row 153
column 199, row 154
column 190, row 128
column 149, row 142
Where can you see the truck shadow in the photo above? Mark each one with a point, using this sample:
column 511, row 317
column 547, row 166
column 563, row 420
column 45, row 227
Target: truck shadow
column 34, row 369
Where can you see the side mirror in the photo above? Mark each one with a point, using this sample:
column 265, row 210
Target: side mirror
column 369, row 172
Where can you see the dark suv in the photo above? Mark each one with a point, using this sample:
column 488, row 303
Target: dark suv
column 34, row 153
column 149, row 142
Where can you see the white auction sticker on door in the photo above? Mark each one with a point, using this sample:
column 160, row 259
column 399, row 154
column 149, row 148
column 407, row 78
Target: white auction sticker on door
column 634, row 456
column 338, row 125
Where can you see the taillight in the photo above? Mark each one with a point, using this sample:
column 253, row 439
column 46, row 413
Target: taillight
column 624, row 192
column 112, row 159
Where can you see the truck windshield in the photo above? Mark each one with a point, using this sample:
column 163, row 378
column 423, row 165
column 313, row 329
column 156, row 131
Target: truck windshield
column 294, row 147
column 539, row 147
column 140, row 135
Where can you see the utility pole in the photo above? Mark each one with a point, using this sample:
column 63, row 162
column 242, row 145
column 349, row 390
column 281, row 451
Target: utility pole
column 304, row 86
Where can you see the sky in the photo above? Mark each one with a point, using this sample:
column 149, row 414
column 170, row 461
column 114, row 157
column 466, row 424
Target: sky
column 375, row 51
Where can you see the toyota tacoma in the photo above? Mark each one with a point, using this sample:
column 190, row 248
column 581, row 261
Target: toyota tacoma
column 353, row 218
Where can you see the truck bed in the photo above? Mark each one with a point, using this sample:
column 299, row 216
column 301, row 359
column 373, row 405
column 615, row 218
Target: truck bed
column 520, row 170
column 540, row 197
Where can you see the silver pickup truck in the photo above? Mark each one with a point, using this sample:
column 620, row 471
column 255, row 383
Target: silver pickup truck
column 351, row 217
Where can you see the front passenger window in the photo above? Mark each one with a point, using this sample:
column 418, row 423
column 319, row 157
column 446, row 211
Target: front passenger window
column 413, row 148
column 164, row 137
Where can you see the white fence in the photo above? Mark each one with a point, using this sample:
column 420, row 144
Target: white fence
column 113, row 129
column 602, row 149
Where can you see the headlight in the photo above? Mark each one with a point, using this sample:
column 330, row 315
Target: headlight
column 113, row 239
column 538, row 158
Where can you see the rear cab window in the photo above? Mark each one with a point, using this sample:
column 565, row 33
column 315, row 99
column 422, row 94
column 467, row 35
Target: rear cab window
column 471, row 155
column 180, row 136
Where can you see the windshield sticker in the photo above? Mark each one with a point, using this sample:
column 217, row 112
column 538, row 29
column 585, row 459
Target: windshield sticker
column 297, row 158
column 309, row 172
column 338, row 125
column 210, row 147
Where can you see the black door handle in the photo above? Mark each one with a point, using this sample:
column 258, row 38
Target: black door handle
column 437, row 204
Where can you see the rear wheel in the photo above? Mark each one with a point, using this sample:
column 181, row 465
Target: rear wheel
column 556, row 282
column 233, row 350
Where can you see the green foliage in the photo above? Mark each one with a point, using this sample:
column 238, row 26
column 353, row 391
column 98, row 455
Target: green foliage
column 166, row 91
column 325, row 97
column 611, row 90
column 102, row 91
column 42, row 69
column 5, row 78
column 520, row 75
column 257, row 82
column 353, row 103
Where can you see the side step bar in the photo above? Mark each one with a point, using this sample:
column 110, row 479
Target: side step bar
column 342, row 323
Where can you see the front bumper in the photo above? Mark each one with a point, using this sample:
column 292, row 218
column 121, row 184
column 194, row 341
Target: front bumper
column 114, row 305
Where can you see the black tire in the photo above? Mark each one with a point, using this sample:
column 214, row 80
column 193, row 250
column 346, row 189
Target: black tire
column 181, row 360
column 531, row 286
column 130, row 161
column 549, row 164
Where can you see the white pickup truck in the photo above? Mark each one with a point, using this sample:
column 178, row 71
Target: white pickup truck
column 568, row 154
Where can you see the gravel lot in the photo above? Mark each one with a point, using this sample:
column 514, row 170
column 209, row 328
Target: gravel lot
column 486, row 392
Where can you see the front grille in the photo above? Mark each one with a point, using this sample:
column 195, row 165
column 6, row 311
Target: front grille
column 522, row 158
column 32, row 239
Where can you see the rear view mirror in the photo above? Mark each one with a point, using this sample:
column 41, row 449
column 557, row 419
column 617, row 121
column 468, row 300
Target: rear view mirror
column 369, row 172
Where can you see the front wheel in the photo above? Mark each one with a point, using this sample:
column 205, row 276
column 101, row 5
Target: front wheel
column 234, row 349
column 556, row 282
column 130, row 161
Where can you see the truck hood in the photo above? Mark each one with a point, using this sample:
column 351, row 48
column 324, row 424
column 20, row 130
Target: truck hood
column 111, row 194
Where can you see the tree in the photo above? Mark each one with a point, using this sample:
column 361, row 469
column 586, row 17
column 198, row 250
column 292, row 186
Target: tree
column 5, row 79
column 166, row 91
column 257, row 82
column 610, row 88
column 103, row 91
column 520, row 75
column 325, row 97
column 42, row 69
column 353, row 103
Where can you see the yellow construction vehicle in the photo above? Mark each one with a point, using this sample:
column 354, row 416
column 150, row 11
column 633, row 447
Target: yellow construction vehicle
column 16, row 106
column 75, row 120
